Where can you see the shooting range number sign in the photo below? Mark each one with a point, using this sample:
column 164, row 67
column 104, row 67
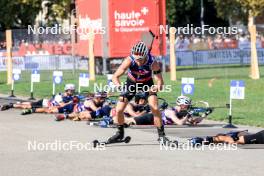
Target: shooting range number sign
column 187, row 86
column 57, row 77
column 237, row 89
column 16, row 74
column 35, row 76
column 109, row 80
column 84, row 79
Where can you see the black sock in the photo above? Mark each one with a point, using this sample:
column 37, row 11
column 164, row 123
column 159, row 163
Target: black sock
column 11, row 105
column 120, row 129
column 161, row 131
column 209, row 140
column 33, row 110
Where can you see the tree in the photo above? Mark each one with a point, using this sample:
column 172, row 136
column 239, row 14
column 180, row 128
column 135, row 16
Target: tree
column 58, row 10
column 245, row 10
column 182, row 12
column 18, row 13
column 231, row 10
column 176, row 9
column 21, row 13
column 254, row 8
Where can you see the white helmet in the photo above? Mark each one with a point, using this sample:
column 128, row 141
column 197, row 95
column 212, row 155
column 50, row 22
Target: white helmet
column 140, row 49
column 45, row 103
column 100, row 94
column 58, row 98
column 183, row 100
column 69, row 87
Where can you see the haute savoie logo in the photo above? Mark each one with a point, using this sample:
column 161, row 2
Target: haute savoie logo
column 130, row 21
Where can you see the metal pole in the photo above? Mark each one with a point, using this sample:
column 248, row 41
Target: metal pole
column 104, row 66
column 31, row 91
column 230, row 125
column 72, row 24
column 202, row 13
column 12, row 89
column 53, row 89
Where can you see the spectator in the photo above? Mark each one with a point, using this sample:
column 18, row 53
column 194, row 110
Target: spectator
column 182, row 43
column 218, row 42
column 243, row 42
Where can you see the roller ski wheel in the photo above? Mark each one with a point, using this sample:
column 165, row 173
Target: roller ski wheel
column 125, row 140
column 165, row 141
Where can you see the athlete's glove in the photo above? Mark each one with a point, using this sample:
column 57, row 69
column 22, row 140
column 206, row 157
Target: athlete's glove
column 75, row 100
column 164, row 105
column 147, row 108
column 209, row 111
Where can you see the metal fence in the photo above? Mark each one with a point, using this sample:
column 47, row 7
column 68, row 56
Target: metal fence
column 215, row 57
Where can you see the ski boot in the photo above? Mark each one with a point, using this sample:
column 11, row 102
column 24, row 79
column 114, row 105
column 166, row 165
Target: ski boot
column 118, row 136
column 163, row 140
column 6, row 106
column 27, row 111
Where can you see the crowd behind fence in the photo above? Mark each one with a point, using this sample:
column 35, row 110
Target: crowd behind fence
column 49, row 52
column 184, row 58
column 183, row 42
column 215, row 57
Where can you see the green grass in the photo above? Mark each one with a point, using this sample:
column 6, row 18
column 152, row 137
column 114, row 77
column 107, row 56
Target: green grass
column 248, row 111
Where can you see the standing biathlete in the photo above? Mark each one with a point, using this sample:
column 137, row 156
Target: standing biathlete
column 140, row 66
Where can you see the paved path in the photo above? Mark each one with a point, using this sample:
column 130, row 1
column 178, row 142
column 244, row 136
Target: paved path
column 140, row 157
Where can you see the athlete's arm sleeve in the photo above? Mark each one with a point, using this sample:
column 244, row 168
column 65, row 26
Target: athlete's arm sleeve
column 158, row 77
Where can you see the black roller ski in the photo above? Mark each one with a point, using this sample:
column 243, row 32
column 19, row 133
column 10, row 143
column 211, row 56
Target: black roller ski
column 125, row 140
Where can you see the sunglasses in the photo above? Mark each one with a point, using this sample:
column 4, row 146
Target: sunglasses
column 138, row 53
column 139, row 57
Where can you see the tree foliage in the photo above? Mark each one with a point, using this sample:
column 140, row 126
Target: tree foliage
column 20, row 13
column 239, row 9
column 254, row 7
column 58, row 9
column 182, row 12
column 230, row 9
column 178, row 9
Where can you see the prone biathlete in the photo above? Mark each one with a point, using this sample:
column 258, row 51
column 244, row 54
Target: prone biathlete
column 91, row 108
column 136, row 109
column 238, row 137
column 182, row 114
column 140, row 65
column 42, row 103
column 177, row 115
column 59, row 104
